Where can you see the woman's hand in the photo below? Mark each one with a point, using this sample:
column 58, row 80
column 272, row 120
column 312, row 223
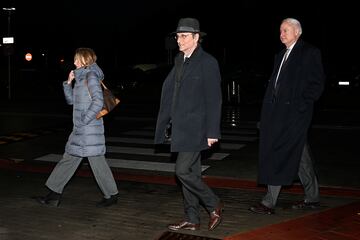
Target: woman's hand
column 70, row 77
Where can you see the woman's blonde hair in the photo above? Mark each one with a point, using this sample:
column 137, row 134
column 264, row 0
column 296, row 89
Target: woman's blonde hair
column 86, row 56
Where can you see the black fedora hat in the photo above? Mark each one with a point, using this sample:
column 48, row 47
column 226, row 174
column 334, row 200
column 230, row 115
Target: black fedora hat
column 189, row 25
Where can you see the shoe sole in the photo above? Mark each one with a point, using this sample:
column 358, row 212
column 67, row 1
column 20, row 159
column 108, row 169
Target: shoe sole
column 106, row 205
column 217, row 224
column 263, row 213
column 305, row 207
column 177, row 229
column 51, row 203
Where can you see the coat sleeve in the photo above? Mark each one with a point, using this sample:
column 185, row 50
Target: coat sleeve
column 97, row 98
column 315, row 79
column 68, row 92
column 213, row 98
column 165, row 107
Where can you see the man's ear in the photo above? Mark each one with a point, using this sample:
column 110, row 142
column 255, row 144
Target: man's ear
column 196, row 37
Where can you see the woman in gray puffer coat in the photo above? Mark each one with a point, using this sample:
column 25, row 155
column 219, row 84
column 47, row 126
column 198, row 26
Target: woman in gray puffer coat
column 87, row 138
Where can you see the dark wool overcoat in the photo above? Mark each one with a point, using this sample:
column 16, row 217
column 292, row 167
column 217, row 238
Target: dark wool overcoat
column 196, row 115
column 287, row 112
column 87, row 137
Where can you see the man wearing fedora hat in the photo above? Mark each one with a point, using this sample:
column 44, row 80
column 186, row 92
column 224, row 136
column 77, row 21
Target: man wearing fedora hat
column 191, row 102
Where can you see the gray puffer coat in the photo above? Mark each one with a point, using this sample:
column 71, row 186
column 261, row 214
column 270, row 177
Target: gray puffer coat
column 87, row 137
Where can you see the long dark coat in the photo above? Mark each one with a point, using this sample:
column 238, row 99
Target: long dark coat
column 197, row 113
column 287, row 112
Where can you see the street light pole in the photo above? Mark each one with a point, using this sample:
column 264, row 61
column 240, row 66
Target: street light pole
column 9, row 11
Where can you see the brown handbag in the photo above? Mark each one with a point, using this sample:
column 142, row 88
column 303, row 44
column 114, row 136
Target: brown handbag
column 110, row 101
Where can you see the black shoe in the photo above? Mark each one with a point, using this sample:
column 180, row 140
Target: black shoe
column 51, row 199
column 262, row 209
column 305, row 205
column 106, row 202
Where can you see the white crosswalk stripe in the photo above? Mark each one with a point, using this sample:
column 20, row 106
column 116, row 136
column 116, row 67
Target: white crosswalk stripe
column 124, row 163
column 135, row 149
column 238, row 138
column 151, row 133
column 232, row 146
column 233, row 137
column 151, row 152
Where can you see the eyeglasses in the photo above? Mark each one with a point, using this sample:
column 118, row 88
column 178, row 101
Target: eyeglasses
column 182, row 36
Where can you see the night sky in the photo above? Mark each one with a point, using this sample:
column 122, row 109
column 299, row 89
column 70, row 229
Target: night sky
column 245, row 33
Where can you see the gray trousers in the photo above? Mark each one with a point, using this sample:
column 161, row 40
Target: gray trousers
column 195, row 191
column 308, row 180
column 67, row 166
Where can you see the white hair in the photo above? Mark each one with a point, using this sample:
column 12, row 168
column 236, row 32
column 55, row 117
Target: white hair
column 295, row 23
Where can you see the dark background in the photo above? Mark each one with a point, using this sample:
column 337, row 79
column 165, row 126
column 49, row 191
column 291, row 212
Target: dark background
column 135, row 31
column 241, row 34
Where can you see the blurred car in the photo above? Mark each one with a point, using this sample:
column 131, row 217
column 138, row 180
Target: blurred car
column 341, row 90
column 141, row 82
column 241, row 86
column 344, row 80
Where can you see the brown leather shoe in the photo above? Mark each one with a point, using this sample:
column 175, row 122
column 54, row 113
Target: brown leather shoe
column 184, row 225
column 262, row 209
column 305, row 205
column 216, row 216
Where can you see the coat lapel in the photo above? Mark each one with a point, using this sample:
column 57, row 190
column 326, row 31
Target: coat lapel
column 192, row 62
column 291, row 58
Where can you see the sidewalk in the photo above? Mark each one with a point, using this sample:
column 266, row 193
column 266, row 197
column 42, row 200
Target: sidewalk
column 145, row 209
column 149, row 200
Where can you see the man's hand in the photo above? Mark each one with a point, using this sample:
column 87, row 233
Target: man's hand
column 211, row 141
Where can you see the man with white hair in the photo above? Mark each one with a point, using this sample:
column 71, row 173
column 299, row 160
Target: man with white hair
column 296, row 82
